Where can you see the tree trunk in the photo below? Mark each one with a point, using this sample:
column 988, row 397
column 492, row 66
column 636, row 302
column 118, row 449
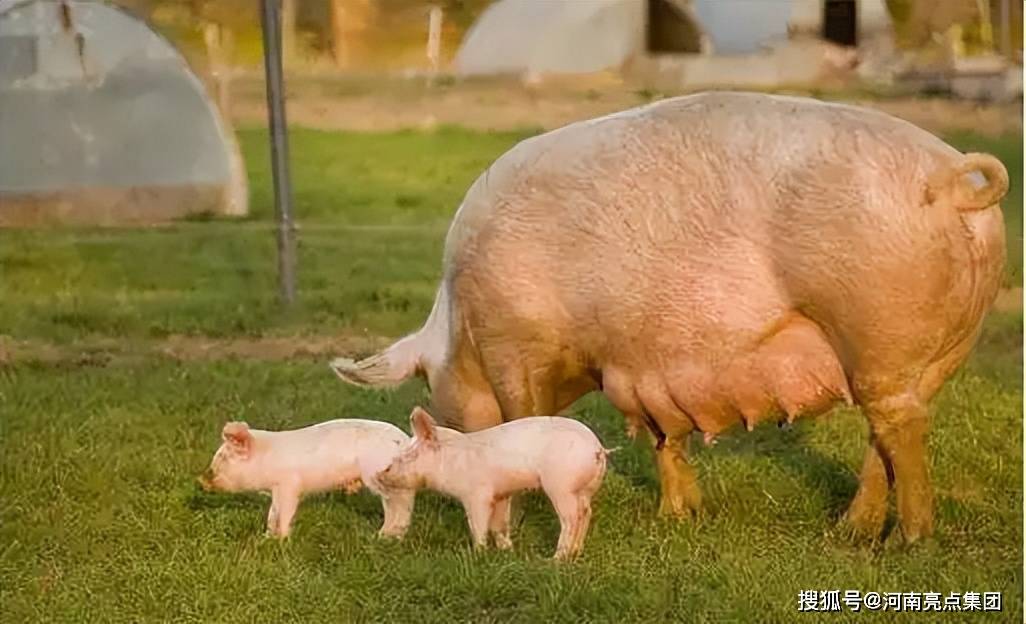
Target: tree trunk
column 220, row 43
column 927, row 17
column 339, row 44
column 349, row 21
column 288, row 30
column 434, row 42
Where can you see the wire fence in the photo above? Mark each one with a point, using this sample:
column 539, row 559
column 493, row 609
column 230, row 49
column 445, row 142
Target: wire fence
column 370, row 232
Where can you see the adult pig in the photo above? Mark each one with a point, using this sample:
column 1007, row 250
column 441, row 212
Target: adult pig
column 715, row 259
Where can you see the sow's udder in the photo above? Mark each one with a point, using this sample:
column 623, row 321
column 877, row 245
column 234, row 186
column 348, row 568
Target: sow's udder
column 792, row 371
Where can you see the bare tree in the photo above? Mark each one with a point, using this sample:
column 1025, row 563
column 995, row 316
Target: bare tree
column 219, row 43
column 349, row 20
column 288, row 30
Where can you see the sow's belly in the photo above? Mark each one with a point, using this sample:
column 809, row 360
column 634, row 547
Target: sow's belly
column 790, row 371
column 793, row 371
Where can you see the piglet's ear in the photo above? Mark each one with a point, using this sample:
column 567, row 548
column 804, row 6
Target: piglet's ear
column 423, row 425
column 238, row 435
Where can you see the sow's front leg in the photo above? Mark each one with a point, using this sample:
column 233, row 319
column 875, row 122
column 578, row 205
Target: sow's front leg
column 681, row 495
column 649, row 402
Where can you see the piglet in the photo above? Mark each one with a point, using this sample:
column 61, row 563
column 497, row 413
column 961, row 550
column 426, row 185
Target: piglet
column 338, row 454
column 485, row 468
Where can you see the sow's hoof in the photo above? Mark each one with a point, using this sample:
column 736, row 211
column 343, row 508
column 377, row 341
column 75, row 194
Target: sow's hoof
column 678, row 507
column 863, row 522
column 897, row 543
column 857, row 532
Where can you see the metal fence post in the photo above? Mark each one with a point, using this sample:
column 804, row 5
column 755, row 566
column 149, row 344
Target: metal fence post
column 271, row 26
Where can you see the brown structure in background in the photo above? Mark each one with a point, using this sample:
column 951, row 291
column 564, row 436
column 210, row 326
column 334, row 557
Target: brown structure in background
column 349, row 20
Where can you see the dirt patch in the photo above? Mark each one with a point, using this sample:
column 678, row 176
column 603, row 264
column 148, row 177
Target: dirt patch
column 941, row 116
column 103, row 352
column 349, row 104
column 268, row 348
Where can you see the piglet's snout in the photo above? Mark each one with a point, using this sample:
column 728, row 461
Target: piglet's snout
column 206, row 480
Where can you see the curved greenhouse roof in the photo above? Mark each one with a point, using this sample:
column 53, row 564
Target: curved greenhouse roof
column 102, row 121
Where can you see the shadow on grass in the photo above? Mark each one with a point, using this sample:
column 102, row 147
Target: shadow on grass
column 789, row 449
column 364, row 503
column 199, row 500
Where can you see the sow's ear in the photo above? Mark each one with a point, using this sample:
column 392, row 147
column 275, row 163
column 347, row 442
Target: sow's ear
column 238, row 435
column 423, row 425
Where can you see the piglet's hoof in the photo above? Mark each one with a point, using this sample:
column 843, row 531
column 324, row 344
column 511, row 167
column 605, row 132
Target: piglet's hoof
column 352, row 487
column 503, row 542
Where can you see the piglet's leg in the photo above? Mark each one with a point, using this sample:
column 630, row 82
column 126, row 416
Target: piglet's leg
column 479, row 512
column 583, row 520
column 284, row 499
column 499, row 524
column 566, row 505
column 272, row 519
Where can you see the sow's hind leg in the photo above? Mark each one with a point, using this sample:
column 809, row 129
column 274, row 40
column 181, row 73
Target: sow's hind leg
column 533, row 375
column 461, row 396
column 895, row 405
column 896, row 455
column 802, row 375
column 899, row 422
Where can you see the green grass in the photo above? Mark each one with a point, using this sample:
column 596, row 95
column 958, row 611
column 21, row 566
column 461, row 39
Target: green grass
column 372, row 208
column 372, row 211
column 100, row 518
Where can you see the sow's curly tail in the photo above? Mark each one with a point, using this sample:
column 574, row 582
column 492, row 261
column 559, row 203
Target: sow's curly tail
column 404, row 359
column 952, row 183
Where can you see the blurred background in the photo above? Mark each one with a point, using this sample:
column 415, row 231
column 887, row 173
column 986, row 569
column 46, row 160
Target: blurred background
column 968, row 49
column 145, row 113
column 479, row 64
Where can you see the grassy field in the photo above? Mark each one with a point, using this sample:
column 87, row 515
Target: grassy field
column 101, row 520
